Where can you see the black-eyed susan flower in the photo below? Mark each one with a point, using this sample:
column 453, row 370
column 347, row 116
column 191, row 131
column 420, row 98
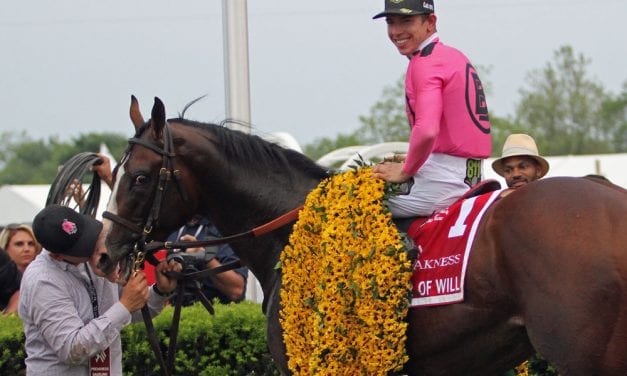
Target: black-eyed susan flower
column 345, row 281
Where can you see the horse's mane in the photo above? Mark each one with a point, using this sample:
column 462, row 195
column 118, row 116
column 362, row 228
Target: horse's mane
column 251, row 149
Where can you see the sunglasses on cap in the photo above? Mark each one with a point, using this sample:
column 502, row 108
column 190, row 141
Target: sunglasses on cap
column 15, row 226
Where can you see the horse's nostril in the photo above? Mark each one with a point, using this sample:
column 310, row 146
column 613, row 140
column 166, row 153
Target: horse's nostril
column 105, row 264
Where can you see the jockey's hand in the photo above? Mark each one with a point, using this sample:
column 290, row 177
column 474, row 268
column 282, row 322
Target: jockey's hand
column 166, row 284
column 390, row 171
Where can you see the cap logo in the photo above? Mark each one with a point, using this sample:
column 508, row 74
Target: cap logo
column 69, row 227
column 407, row 11
column 426, row 5
column 396, row 1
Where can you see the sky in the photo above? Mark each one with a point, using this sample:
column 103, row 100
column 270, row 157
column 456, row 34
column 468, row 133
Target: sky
column 69, row 67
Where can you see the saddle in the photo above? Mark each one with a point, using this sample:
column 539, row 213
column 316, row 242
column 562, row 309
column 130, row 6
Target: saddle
column 484, row 186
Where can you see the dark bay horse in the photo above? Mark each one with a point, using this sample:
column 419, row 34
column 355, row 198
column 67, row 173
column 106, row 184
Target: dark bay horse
column 548, row 271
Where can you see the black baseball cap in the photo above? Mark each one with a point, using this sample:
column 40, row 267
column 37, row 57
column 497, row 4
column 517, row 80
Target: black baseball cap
column 62, row 230
column 406, row 8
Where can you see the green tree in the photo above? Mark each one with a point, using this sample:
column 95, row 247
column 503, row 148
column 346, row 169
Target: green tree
column 614, row 111
column 325, row 145
column 500, row 128
column 569, row 113
column 566, row 111
column 27, row 161
column 387, row 120
column 116, row 143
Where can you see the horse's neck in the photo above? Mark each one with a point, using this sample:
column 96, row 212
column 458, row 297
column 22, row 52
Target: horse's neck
column 249, row 209
column 241, row 195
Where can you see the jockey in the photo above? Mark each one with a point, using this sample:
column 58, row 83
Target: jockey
column 447, row 112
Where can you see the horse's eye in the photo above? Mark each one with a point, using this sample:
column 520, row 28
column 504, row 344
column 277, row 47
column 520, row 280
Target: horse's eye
column 141, row 180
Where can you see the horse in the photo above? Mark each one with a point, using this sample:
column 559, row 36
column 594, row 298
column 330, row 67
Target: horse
column 547, row 272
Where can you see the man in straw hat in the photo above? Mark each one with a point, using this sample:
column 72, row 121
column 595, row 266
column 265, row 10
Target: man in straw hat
column 72, row 316
column 520, row 163
column 447, row 113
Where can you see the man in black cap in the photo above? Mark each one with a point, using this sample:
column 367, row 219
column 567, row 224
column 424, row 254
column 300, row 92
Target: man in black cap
column 72, row 316
column 447, row 112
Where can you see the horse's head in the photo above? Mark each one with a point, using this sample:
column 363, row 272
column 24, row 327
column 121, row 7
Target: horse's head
column 153, row 191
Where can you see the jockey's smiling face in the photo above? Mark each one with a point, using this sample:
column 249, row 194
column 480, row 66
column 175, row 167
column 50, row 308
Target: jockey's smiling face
column 408, row 32
column 519, row 171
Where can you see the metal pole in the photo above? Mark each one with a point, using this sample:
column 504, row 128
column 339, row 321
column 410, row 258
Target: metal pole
column 237, row 82
column 237, row 85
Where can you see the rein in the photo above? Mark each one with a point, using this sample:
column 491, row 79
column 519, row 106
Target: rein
column 145, row 250
column 152, row 247
column 274, row 224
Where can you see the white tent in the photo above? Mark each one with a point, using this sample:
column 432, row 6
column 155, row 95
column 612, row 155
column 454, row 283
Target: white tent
column 20, row 203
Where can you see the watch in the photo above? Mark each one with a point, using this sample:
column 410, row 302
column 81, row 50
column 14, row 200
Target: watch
column 163, row 294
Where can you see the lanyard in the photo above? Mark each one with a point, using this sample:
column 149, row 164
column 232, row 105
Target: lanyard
column 91, row 290
column 200, row 227
column 100, row 363
column 178, row 237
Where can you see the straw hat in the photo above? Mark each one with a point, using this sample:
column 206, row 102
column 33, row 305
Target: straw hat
column 520, row 145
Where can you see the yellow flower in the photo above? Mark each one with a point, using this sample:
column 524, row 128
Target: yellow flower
column 345, row 282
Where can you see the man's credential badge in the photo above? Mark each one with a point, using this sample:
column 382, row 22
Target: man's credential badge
column 100, row 364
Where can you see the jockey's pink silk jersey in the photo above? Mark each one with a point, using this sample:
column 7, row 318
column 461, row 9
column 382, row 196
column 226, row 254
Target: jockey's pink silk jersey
column 446, row 107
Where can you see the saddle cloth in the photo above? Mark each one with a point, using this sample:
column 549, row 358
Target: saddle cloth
column 444, row 243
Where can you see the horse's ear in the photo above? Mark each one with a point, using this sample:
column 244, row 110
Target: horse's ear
column 157, row 121
column 136, row 115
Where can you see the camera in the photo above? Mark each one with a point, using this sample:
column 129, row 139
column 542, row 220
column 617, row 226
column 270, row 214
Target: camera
column 192, row 262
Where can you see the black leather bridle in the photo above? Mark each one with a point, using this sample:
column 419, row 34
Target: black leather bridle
column 167, row 173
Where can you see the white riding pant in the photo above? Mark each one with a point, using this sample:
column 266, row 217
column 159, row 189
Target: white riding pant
column 439, row 182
